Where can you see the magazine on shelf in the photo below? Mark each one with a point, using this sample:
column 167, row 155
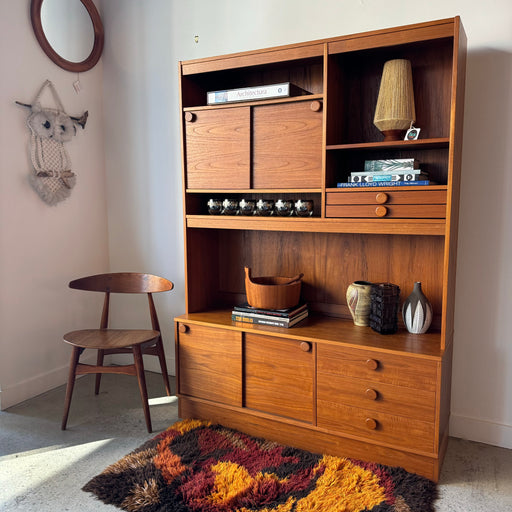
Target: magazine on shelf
column 283, row 313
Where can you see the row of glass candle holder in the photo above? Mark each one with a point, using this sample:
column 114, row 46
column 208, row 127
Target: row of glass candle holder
column 262, row 207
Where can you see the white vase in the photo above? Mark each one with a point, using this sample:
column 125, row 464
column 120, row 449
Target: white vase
column 417, row 311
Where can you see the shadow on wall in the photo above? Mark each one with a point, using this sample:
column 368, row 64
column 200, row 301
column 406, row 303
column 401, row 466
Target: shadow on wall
column 485, row 241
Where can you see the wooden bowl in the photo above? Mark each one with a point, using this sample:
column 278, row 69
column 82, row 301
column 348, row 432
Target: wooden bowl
column 272, row 292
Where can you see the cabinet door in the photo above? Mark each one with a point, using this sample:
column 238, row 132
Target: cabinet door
column 287, row 145
column 279, row 376
column 217, row 148
column 209, row 363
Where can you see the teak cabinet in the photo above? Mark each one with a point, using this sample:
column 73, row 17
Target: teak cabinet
column 324, row 385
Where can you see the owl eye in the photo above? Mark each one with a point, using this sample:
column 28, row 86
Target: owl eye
column 63, row 127
column 47, row 124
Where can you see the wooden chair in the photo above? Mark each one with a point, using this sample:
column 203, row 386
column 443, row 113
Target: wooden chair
column 118, row 341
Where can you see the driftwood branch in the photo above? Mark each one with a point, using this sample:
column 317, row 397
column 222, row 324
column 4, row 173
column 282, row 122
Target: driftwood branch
column 78, row 120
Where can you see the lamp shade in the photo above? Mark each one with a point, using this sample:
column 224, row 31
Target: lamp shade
column 395, row 105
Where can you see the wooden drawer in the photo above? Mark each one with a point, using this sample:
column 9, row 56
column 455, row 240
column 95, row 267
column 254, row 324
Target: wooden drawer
column 377, row 396
column 405, row 211
column 382, row 367
column 390, row 204
column 209, row 363
column 376, row 426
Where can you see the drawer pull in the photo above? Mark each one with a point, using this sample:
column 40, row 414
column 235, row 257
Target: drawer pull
column 372, row 364
column 190, row 117
column 381, row 211
column 183, row 328
column 316, row 106
column 371, row 424
column 381, row 198
column 371, row 394
column 305, row 346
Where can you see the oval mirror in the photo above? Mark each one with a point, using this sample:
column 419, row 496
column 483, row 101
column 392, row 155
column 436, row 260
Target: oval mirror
column 69, row 31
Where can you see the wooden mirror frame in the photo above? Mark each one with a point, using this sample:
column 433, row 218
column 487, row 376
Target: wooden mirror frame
column 78, row 67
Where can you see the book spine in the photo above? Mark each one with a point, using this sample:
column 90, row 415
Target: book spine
column 384, row 184
column 276, row 313
column 249, row 93
column 262, row 317
column 369, row 178
column 259, row 320
column 389, row 164
column 397, row 172
column 275, row 322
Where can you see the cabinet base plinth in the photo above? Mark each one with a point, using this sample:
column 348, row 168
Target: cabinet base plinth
column 306, row 437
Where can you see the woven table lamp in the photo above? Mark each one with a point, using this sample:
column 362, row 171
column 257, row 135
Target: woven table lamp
column 395, row 105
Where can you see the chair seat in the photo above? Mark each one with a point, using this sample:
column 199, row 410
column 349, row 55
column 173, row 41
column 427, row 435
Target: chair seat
column 105, row 339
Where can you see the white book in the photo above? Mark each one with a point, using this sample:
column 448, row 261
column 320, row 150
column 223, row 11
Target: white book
column 251, row 93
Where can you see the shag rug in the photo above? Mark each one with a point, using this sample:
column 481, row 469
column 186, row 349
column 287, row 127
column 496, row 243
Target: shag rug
column 198, row 466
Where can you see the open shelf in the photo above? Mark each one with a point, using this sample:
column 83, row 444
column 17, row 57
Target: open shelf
column 441, row 142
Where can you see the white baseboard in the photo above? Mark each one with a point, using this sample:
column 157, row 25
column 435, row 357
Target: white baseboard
column 38, row 384
column 29, row 388
column 481, row 430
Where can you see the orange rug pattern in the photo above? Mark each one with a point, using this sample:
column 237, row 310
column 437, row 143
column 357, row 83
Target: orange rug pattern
column 195, row 466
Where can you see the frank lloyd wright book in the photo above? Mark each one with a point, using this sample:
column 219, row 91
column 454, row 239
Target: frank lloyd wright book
column 384, row 184
column 254, row 93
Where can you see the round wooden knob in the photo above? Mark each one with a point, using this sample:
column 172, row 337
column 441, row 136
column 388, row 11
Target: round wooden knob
column 183, row 328
column 305, row 346
column 190, row 117
column 371, row 424
column 381, row 197
column 316, row 106
column 381, row 211
column 371, row 394
column 372, row 364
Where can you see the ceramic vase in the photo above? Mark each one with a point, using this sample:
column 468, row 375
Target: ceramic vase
column 358, row 302
column 417, row 311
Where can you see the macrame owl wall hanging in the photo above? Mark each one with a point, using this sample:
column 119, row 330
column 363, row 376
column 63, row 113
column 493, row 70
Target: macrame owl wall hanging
column 51, row 177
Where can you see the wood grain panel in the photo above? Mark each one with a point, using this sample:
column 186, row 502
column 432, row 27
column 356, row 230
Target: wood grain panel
column 418, row 197
column 217, row 148
column 209, row 362
column 331, row 262
column 403, row 211
column 389, row 368
column 396, row 430
column 278, row 377
column 377, row 396
column 287, row 146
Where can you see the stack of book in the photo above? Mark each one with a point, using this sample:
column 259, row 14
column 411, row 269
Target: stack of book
column 393, row 172
column 274, row 317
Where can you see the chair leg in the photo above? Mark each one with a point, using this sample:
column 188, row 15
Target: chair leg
column 75, row 355
column 163, row 365
column 99, row 362
column 139, row 367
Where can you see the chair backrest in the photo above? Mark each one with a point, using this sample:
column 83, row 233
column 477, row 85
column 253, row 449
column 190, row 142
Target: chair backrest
column 124, row 282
